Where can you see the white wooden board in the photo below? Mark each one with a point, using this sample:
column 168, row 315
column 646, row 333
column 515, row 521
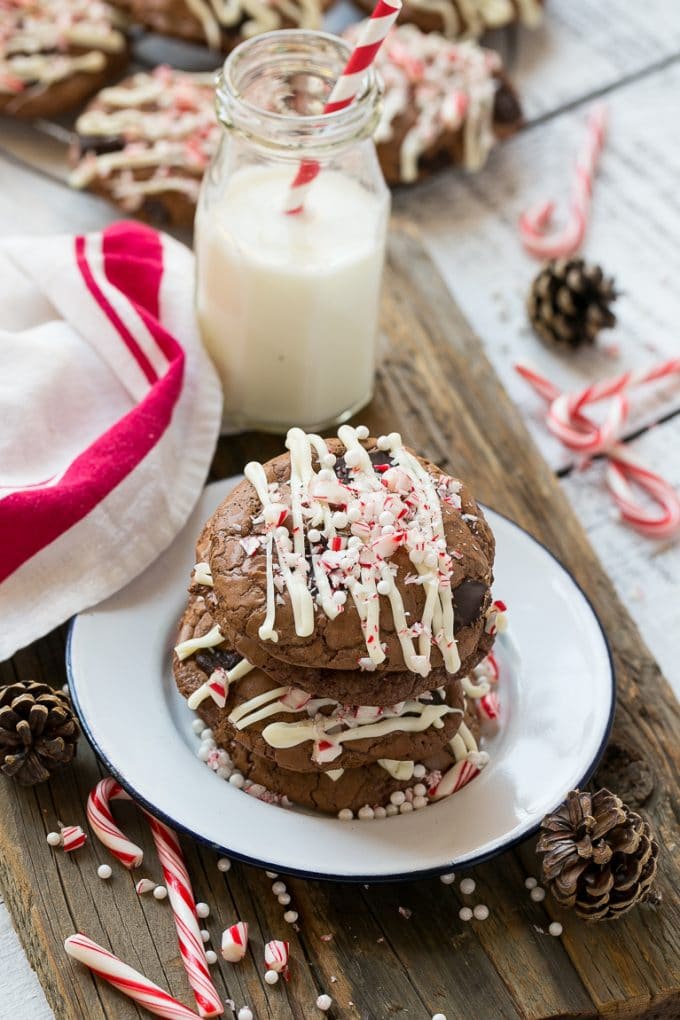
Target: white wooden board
column 21, row 995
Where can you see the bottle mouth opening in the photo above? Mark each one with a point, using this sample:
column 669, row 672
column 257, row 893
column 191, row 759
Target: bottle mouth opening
column 273, row 89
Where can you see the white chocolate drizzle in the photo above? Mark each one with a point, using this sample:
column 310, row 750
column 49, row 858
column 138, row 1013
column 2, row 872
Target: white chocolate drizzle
column 444, row 86
column 37, row 41
column 402, row 770
column 349, row 531
column 186, row 648
column 252, row 16
column 474, row 17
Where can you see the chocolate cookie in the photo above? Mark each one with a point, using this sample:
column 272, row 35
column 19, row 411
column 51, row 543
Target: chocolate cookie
column 457, row 19
column 55, row 53
column 445, row 104
column 306, row 733
column 145, row 143
column 222, row 26
column 359, row 587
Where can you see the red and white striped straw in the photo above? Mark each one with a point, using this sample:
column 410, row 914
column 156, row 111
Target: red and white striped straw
column 183, row 905
column 126, row 979
column 372, row 34
column 534, row 224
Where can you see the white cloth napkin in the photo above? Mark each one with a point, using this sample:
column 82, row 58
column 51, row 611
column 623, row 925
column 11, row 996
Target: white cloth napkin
column 109, row 414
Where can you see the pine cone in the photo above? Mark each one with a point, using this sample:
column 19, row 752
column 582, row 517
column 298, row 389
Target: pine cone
column 599, row 856
column 38, row 732
column 569, row 302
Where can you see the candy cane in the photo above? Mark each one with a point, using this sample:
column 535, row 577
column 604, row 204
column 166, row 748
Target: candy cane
column 578, row 432
column 458, row 775
column 177, row 881
column 371, row 37
column 624, row 466
column 125, row 978
column 105, row 829
column 183, row 905
column 534, row 223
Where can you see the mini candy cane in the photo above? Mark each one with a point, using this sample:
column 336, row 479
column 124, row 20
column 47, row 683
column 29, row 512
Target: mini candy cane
column 127, row 980
column 72, row 838
column 105, row 829
column 534, row 223
column 622, row 466
column 234, row 942
column 489, row 706
column 459, row 775
column 183, row 905
column 276, row 957
column 371, row 37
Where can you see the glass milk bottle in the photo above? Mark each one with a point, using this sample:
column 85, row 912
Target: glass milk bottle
column 288, row 303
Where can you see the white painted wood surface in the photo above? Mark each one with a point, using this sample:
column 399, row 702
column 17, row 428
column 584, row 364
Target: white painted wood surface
column 627, row 49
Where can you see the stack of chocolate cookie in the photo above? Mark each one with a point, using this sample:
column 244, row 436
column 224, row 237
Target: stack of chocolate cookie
column 341, row 593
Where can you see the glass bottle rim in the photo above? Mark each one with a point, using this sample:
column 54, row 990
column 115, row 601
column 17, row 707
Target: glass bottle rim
column 290, row 132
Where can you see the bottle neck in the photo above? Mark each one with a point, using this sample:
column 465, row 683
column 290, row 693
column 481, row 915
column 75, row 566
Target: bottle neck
column 273, row 88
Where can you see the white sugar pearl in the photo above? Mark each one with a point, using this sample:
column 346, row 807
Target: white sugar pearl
column 398, row 797
column 419, row 790
column 386, row 517
column 324, row 1003
column 206, row 734
column 64, row 689
column 326, row 475
column 555, row 929
column 223, row 864
column 380, row 812
column 271, row 977
column 405, row 808
column 284, row 899
column 202, row 910
column 467, row 885
column 160, row 892
column 481, row 912
column 198, row 726
column 205, row 934
column 328, row 460
column 383, row 443
column 314, row 535
column 447, row 879
column 224, row 772
column 438, row 1016
column 537, row 894
column 104, row 871
column 387, row 529
column 362, row 432
column 237, row 780
column 290, row 916
column 339, row 597
column 211, row 956
column 279, row 888
column 419, row 803
column 244, row 1013
column 353, row 515
column 419, row 772
column 205, row 750
column 391, row 810
column 271, row 874
column 384, row 587
column 339, row 519
column 54, row 838
column 366, row 813
column 431, row 559
column 345, row 815
column 465, row 914
column 530, row 882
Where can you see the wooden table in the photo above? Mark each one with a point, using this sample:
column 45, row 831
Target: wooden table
column 435, row 374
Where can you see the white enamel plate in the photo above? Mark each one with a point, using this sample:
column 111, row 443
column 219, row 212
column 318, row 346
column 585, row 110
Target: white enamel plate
column 557, row 699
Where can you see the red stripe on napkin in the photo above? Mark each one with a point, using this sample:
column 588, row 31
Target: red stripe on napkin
column 35, row 517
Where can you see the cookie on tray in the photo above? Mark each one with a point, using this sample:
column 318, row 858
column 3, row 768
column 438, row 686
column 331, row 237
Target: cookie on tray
column 458, row 19
column 446, row 104
column 219, row 25
column 55, row 53
column 145, row 143
column 358, row 565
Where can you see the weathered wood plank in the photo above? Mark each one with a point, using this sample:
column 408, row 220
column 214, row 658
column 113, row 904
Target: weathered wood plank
column 436, row 385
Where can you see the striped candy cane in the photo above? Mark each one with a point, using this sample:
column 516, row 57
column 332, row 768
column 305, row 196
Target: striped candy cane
column 125, row 978
column 568, row 422
column 371, row 37
column 534, row 223
column 177, row 881
column 183, row 905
